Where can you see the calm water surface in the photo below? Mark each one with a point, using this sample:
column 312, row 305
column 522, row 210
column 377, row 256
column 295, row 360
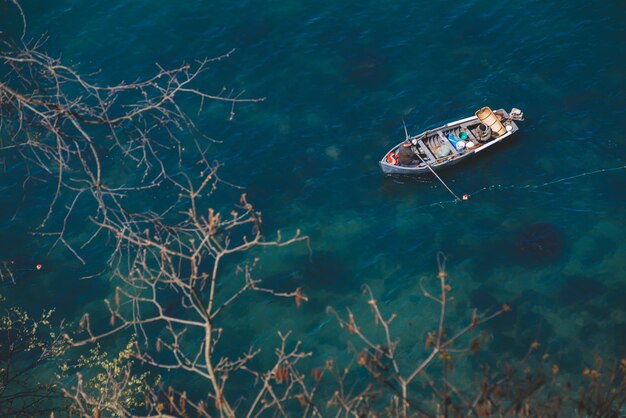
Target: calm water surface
column 339, row 78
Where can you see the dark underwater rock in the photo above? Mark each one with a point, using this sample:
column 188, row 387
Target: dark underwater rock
column 580, row 290
column 588, row 331
column 326, row 271
column 529, row 297
column 619, row 331
column 482, row 299
column 509, row 344
column 540, row 244
column 367, row 71
column 616, row 298
column 582, row 100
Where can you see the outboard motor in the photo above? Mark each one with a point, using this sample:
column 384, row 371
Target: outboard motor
column 516, row 114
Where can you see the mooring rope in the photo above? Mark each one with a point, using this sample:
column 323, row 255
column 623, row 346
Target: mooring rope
column 439, row 178
column 549, row 183
column 499, row 187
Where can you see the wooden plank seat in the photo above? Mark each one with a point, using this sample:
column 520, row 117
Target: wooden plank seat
column 431, row 157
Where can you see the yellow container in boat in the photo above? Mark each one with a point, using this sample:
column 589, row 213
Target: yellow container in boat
column 487, row 117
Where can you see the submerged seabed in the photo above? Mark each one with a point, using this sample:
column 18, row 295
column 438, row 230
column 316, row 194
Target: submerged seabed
column 339, row 79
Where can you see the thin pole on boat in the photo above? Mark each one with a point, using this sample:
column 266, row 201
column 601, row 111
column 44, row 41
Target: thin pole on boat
column 406, row 133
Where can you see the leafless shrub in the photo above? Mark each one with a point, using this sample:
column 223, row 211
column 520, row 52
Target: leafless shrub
column 79, row 133
column 82, row 134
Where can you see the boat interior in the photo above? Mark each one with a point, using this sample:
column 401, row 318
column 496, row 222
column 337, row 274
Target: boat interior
column 451, row 141
column 443, row 144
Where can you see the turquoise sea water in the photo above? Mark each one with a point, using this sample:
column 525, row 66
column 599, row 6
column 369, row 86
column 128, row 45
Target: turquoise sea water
column 339, row 78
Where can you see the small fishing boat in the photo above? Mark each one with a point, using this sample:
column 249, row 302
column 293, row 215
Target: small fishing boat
column 453, row 142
